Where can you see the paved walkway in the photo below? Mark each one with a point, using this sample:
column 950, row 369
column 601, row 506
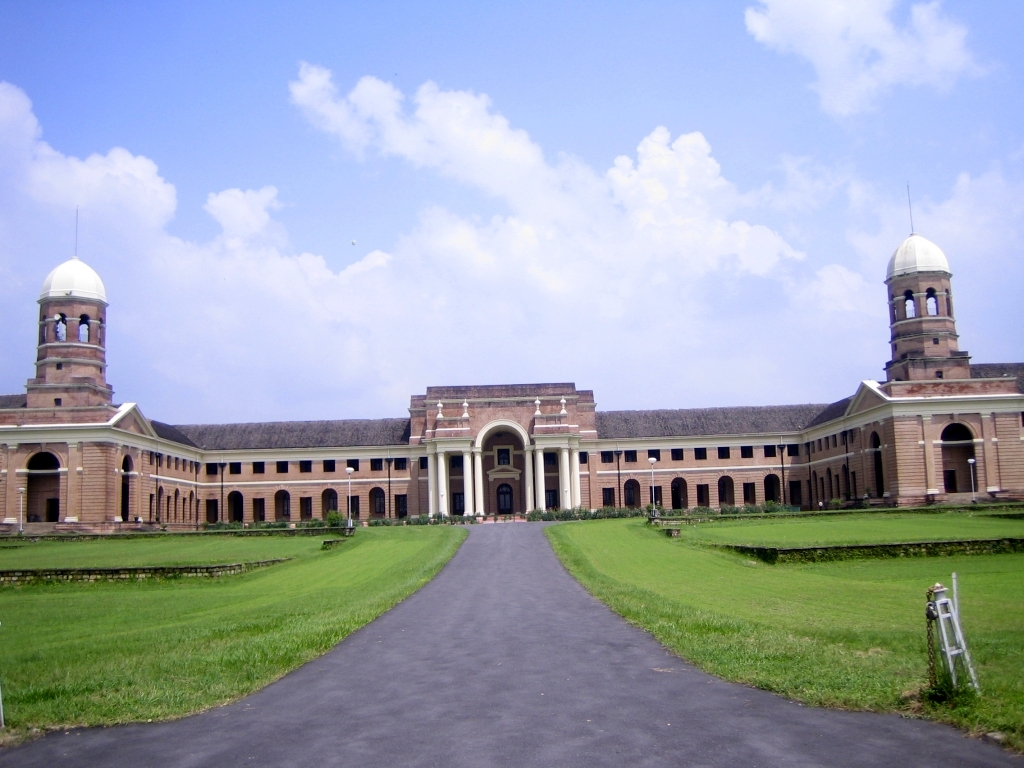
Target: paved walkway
column 504, row 660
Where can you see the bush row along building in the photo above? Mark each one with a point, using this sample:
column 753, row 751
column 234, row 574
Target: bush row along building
column 937, row 430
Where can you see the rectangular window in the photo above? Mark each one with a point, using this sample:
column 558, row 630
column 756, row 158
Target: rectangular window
column 504, row 457
column 455, row 462
column 746, row 451
column 401, row 465
column 353, row 505
column 819, row 443
column 305, row 507
column 723, row 452
column 769, row 452
column 677, row 454
column 424, row 462
column 176, row 465
column 401, row 505
column 258, row 468
column 551, row 499
column 458, row 503
column 656, row 495
column 608, row 497
column 354, row 463
column 550, row 459
column 211, row 510
column 629, row 457
column 151, row 453
column 703, row 496
column 328, row 465
column 793, row 449
column 377, row 465
column 607, row 457
column 282, row 467
column 701, row 454
column 305, row 465
column 211, row 468
column 654, row 453
column 749, row 493
column 259, row 510
column 235, row 468
column 584, row 457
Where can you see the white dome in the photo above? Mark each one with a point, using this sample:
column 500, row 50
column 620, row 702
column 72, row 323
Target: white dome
column 917, row 254
column 76, row 279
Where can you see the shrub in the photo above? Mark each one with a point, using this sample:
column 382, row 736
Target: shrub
column 835, row 504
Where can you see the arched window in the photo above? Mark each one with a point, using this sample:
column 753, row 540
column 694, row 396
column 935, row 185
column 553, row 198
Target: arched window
column 876, row 447
column 726, row 492
column 772, row 489
column 908, row 304
column 631, row 492
column 43, row 502
column 958, row 473
column 235, row 503
column 680, row 497
column 378, row 505
column 83, row 329
column 282, row 506
column 504, row 499
column 60, row 328
column 328, row 502
column 931, row 302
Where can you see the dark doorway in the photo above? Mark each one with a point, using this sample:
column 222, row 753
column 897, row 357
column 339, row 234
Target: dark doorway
column 772, row 489
column 726, row 492
column 680, row 498
column 235, row 507
column 504, row 499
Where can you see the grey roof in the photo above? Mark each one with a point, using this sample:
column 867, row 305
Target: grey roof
column 294, row 434
column 692, row 422
column 169, row 432
column 13, row 401
column 833, row 411
column 998, row 371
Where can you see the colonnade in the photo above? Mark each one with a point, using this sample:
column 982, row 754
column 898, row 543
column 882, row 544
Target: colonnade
column 475, row 487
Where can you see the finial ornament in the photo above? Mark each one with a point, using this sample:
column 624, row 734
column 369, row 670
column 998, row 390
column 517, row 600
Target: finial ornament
column 440, row 415
column 537, row 404
column 563, row 412
column 465, row 409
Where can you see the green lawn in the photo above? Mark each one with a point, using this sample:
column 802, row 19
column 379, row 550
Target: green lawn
column 849, row 634
column 868, row 528
column 111, row 652
column 156, row 550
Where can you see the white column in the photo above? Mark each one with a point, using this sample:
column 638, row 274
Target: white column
column 478, row 479
column 442, row 484
column 528, row 464
column 564, row 494
column 538, row 455
column 574, row 476
column 431, row 484
column 467, row 482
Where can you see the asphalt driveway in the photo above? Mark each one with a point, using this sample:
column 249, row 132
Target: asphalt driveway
column 504, row 660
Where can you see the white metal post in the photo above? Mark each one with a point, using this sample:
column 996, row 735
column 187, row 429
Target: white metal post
column 654, row 501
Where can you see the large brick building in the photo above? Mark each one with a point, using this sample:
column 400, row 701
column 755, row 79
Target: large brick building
column 936, row 428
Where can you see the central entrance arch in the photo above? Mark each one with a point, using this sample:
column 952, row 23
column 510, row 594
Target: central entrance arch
column 43, row 502
column 503, row 458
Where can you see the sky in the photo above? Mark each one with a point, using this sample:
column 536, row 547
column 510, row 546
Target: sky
column 314, row 210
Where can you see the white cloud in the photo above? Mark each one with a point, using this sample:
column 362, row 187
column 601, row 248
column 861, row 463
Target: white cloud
column 858, row 52
column 642, row 280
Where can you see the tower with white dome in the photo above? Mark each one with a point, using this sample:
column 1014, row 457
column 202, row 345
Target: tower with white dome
column 71, row 355
column 923, row 336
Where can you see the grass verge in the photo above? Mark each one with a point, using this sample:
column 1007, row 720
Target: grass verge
column 847, row 634
column 106, row 653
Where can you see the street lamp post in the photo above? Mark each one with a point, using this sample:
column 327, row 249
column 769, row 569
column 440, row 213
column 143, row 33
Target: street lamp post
column 223, row 515
column 654, row 501
column 21, row 510
column 971, row 462
column 390, row 513
column 348, row 500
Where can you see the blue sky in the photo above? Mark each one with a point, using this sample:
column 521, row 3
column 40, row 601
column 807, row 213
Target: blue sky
column 675, row 205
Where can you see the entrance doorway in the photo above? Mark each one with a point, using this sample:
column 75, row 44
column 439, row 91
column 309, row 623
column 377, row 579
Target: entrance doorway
column 505, row 499
column 43, row 502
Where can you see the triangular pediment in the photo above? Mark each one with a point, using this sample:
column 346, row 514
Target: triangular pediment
column 868, row 396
